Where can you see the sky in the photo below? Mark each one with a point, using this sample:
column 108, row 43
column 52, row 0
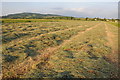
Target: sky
column 59, row 0
column 108, row 9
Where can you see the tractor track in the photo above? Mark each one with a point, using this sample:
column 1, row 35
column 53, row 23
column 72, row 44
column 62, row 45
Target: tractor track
column 112, row 57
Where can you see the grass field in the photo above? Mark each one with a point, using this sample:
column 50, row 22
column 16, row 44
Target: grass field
column 59, row 49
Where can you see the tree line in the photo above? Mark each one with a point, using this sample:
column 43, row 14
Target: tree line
column 84, row 19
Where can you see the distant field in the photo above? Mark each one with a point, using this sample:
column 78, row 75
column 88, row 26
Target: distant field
column 115, row 24
column 28, row 20
column 47, row 48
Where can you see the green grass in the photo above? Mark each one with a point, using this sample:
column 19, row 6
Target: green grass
column 115, row 24
column 28, row 20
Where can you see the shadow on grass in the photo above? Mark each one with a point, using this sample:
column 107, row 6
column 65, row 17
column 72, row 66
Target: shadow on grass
column 9, row 58
column 30, row 50
column 6, row 39
column 92, row 56
column 69, row 54
column 65, row 74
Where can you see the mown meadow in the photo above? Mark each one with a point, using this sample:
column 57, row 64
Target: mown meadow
column 48, row 48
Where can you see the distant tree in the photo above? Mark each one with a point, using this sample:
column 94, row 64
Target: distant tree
column 113, row 20
column 105, row 19
column 95, row 19
column 2, row 21
column 72, row 18
column 98, row 18
column 86, row 18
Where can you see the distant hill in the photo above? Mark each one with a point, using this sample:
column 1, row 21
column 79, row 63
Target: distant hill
column 29, row 16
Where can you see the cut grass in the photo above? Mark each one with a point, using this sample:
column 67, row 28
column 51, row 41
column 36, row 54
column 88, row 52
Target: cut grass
column 83, row 56
column 42, row 42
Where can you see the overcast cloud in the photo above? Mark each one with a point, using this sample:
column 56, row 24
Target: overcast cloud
column 76, row 9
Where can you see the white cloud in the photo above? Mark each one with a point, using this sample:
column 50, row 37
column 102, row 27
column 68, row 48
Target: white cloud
column 74, row 9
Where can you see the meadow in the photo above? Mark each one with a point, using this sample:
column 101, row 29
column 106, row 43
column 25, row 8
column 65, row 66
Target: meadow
column 48, row 48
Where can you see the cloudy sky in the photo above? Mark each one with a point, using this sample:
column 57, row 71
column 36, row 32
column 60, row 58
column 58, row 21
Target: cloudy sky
column 76, row 9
